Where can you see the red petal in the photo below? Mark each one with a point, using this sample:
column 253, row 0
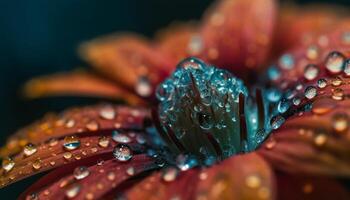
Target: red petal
column 312, row 188
column 78, row 83
column 92, row 127
column 100, row 180
column 236, row 34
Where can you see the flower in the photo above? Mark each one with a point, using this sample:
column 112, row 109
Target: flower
column 284, row 135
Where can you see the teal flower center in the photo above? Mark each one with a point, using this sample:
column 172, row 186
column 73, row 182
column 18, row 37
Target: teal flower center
column 206, row 112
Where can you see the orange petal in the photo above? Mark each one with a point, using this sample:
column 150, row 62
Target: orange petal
column 240, row 177
column 130, row 60
column 94, row 180
column 176, row 41
column 313, row 188
column 236, row 34
column 76, row 120
column 78, row 83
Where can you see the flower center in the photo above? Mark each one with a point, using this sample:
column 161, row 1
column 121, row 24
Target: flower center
column 207, row 112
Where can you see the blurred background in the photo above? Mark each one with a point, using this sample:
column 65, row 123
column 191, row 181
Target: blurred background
column 40, row 37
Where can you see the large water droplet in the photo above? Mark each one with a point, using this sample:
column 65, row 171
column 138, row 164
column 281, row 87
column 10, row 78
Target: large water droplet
column 310, row 92
column 120, row 137
column 277, row 121
column 8, row 164
column 122, row 152
column 29, row 149
column 71, row 142
column 311, row 72
column 81, row 172
column 335, row 62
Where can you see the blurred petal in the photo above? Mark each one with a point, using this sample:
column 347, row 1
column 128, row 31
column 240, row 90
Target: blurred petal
column 222, row 181
column 176, row 41
column 77, row 83
column 130, row 60
column 236, row 34
column 296, row 24
column 312, row 188
column 240, row 177
column 87, row 132
column 89, row 180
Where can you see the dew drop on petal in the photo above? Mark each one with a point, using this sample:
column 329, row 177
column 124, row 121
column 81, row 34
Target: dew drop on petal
column 347, row 67
column 323, row 106
column 111, row 176
column 29, row 149
column 72, row 191
column 170, row 174
column 71, row 142
column 67, row 155
column 321, row 83
column 253, row 181
column 204, row 120
column 338, row 94
column 103, row 141
column 130, row 171
column 120, row 137
column 283, row 106
column 320, row 139
column 186, row 162
column 92, row 125
column 312, row 52
column 143, row 87
column 335, row 62
column 310, row 92
column 122, row 152
column 273, row 73
column 8, row 164
column 286, row 61
column 340, row 122
column 277, row 121
column 107, row 112
column 81, row 172
column 311, row 72
column 37, row 164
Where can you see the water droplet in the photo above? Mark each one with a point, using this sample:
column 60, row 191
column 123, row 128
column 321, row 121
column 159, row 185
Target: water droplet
column 338, row 94
column 204, row 120
column 70, row 123
column 140, row 139
column 122, row 152
column 186, row 162
column 120, row 137
column 67, row 155
column 322, row 83
column 283, row 106
column 336, row 81
column 72, row 191
column 37, row 164
column 312, row 52
column 253, row 181
column 53, row 142
column 310, row 92
column 296, row 101
column 33, row 196
column 71, row 142
column 81, row 172
column 29, row 149
column 107, row 112
column 323, row 106
column 130, row 171
column 320, row 139
column 286, row 61
column 335, row 62
column 195, row 45
column 347, row 67
column 340, row 122
column 273, row 73
column 103, row 142
column 8, row 164
column 277, row 121
column 311, row 72
column 164, row 91
column 111, row 176
column 270, row 144
column 143, row 87
column 274, row 95
column 92, row 125
column 170, row 174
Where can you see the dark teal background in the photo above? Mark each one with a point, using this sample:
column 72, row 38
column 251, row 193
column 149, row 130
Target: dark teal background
column 40, row 37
